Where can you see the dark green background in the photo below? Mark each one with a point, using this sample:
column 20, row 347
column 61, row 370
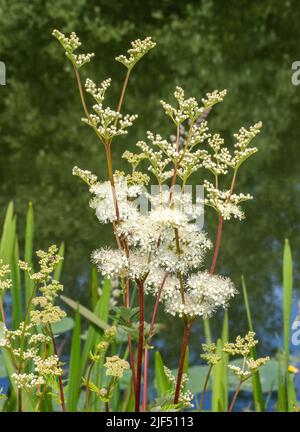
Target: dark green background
column 247, row 47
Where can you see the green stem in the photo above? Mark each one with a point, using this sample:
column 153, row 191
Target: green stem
column 61, row 388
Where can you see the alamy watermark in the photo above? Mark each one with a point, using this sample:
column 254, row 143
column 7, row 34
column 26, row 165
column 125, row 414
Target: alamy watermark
column 296, row 75
column 2, row 73
column 296, row 333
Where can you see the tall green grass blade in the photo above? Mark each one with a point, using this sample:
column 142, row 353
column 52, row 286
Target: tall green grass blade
column 58, row 270
column 218, row 386
column 8, row 235
column 85, row 312
column 92, row 338
column 186, row 361
column 287, row 309
column 74, row 367
column 225, row 360
column 287, row 298
column 282, row 404
column 161, row 381
column 104, row 307
column 28, row 250
column 207, row 331
column 94, row 287
column 258, row 397
column 17, row 315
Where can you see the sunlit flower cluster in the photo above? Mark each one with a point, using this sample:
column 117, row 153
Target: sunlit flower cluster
column 243, row 346
column 70, row 44
column 115, row 366
column 138, row 49
column 5, row 282
column 185, row 396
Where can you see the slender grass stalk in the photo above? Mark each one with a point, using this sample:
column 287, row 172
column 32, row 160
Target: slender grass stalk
column 204, row 388
column 87, row 392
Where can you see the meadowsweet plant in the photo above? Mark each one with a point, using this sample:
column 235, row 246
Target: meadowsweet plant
column 161, row 251
column 243, row 347
column 98, row 355
column 32, row 346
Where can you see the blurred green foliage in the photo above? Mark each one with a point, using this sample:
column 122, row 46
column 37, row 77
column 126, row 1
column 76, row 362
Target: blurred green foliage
column 244, row 46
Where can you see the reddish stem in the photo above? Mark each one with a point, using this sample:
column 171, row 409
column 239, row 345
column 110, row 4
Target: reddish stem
column 187, row 328
column 218, row 242
column 146, row 355
column 2, row 312
column 140, row 347
column 235, row 397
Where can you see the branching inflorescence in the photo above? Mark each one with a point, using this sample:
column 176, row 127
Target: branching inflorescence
column 162, row 251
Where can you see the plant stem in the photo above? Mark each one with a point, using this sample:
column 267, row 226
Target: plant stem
column 22, row 337
column 81, row 92
column 123, row 91
column 204, row 388
column 87, row 387
column 61, row 389
column 218, row 242
column 2, row 312
column 146, row 355
column 140, row 347
column 187, row 328
column 235, row 396
column 106, row 407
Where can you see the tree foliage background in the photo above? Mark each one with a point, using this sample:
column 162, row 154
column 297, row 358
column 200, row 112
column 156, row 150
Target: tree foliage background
column 245, row 46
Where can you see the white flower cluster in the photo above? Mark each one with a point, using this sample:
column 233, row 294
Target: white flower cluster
column 85, row 175
column 244, row 138
column 103, row 199
column 27, row 381
column 107, row 122
column 203, row 293
column 189, row 108
column 138, row 49
column 70, row 44
column 163, row 248
column 5, row 283
column 225, row 202
column 185, row 396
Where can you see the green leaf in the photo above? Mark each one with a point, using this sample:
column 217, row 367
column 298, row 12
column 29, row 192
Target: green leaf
column 225, row 360
column 57, row 271
column 207, row 331
column 63, row 326
column 29, row 235
column 8, row 235
column 282, row 404
column 94, row 286
column 17, row 315
column 85, row 312
column 74, row 367
column 258, row 397
column 287, row 298
column 104, row 306
column 162, row 383
column 218, row 386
